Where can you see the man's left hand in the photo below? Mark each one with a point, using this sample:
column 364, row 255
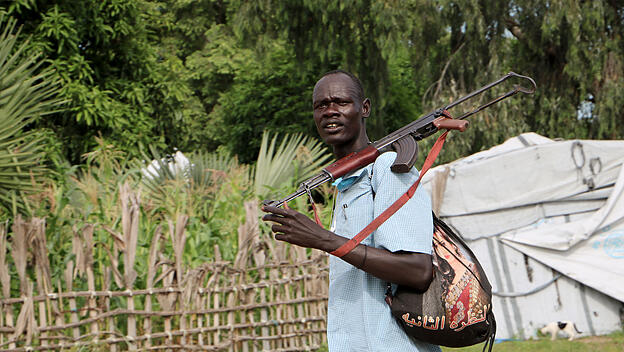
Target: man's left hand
column 294, row 227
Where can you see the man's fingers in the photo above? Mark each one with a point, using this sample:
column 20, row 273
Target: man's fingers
column 276, row 228
column 274, row 218
column 279, row 230
column 275, row 210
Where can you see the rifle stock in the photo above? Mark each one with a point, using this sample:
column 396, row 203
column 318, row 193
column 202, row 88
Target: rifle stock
column 404, row 140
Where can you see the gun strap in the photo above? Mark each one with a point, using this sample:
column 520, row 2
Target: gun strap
column 394, row 207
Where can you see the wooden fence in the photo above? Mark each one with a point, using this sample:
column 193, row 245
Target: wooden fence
column 271, row 298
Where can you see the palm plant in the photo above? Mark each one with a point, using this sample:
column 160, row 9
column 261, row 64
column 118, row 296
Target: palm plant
column 295, row 159
column 26, row 93
column 178, row 184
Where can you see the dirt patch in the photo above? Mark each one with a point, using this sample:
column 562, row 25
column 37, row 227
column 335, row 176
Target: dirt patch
column 595, row 339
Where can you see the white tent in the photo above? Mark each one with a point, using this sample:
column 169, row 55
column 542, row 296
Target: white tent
column 546, row 220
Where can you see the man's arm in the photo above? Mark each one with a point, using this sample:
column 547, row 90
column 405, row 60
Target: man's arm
column 404, row 268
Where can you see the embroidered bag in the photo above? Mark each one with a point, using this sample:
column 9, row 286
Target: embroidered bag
column 456, row 309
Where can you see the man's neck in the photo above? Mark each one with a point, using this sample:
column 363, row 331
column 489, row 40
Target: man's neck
column 344, row 150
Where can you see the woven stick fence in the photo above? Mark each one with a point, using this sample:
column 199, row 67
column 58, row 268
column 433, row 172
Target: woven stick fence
column 273, row 297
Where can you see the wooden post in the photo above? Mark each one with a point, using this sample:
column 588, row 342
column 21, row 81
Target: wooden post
column 39, row 249
column 232, row 301
column 151, row 274
column 5, row 281
column 69, row 284
column 300, row 256
column 260, row 259
column 43, row 322
column 25, row 319
column 107, row 305
column 200, row 304
column 216, row 295
column 87, row 233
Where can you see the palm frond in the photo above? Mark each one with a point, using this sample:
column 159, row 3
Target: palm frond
column 25, row 95
column 191, row 181
column 295, row 159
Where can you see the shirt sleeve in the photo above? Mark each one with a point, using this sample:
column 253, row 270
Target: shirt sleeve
column 410, row 229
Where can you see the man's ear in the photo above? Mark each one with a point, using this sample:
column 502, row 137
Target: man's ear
column 366, row 107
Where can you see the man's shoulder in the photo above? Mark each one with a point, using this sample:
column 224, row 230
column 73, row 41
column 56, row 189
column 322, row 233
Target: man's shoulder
column 384, row 162
column 385, row 159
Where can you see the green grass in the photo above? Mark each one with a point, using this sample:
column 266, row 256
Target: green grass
column 609, row 343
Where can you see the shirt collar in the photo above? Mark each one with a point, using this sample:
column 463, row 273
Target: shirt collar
column 343, row 183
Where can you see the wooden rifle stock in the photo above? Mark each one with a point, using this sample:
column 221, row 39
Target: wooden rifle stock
column 404, row 140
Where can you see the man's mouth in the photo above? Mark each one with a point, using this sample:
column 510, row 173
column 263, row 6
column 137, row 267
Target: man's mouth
column 332, row 127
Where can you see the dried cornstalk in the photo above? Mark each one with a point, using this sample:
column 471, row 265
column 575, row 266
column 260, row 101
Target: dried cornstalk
column 248, row 238
column 5, row 277
column 118, row 245
column 130, row 227
column 78, row 251
column 248, row 235
column 39, row 248
column 178, row 241
column 190, row 285
column 19, row 251
column 166, row 301
column 26, row 319
column 82, row 248
column 177, row 235
column 38, row 244
column 5, row 281
column 151, row 273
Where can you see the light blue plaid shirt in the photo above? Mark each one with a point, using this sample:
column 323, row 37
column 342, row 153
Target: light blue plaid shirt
column 358, row 317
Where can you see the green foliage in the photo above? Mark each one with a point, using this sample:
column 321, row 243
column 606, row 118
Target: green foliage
column 568, row 47
column 361, row 36
column 297, row 158
column 435, row 52
column 265, row 93
column 117, row 82
column 208, row 74
column 26, row 94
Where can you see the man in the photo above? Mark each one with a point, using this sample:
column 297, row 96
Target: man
column 399, row 251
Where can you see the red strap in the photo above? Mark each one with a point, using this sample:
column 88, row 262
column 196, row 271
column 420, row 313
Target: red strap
column 316, row 216
column 352, row 243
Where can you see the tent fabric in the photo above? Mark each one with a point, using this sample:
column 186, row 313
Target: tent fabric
column 514, row 174
column 559, row 202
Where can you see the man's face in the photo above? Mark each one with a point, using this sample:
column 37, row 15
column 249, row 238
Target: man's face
column 338, row 113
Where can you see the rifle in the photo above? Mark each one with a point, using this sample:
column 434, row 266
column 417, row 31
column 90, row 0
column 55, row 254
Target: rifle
column 404, row 140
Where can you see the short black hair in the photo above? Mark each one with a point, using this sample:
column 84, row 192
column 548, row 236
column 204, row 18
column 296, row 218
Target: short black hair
column 359, row 90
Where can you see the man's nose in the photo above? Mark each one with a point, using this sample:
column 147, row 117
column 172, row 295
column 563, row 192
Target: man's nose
column 331, row 110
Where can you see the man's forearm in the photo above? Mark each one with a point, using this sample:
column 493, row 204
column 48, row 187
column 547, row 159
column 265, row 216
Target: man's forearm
column 404, row 268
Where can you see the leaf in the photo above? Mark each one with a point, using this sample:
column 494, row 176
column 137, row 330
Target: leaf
column 24, row 96
column 295, row 159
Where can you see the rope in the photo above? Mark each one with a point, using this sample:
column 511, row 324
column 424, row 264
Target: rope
column 530, row 292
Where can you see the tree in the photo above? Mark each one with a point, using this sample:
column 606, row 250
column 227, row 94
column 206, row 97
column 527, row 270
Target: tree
column 118, row 83
column 572, row 49
column 208, row 73
column 361, row 36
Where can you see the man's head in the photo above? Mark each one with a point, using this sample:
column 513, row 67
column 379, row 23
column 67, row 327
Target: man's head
column 339, row 112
